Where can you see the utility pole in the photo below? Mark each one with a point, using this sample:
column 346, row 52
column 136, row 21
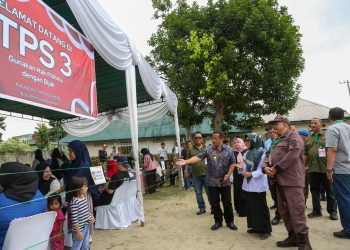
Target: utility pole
column 346, row 82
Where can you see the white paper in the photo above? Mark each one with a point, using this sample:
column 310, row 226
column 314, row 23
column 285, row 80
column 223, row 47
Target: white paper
column 322, row 152
column 97, row 175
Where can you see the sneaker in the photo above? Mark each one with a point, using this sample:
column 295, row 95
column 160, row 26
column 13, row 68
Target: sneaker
column 333, row 216
column 314, row 214
column 342, row 234
column 201, row 211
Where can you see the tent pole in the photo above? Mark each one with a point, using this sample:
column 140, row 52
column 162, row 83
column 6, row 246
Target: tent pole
column 130, row 75
column 177, row 132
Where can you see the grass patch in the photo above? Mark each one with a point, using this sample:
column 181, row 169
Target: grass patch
column 165, row 192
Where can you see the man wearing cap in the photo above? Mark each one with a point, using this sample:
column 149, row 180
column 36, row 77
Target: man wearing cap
column 316, row 164
column 286, row 164
column 102, row 157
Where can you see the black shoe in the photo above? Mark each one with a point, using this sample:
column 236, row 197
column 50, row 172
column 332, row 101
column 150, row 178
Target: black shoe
column 333, row 216
column 216, row 226
column 275, row 220
column 314, row 214
column 211, row 211
column 232, row 226
column 265, row 236
column 291, row 241
column 201, row 211
column 274, row 206
column 341, row 234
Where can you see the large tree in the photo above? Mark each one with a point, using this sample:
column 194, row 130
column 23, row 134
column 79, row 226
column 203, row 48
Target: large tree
column 229, row 57
column 2, row 126
column 41, row 135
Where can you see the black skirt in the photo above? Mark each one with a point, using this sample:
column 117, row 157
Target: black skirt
column 239, row 199
column 258, row 214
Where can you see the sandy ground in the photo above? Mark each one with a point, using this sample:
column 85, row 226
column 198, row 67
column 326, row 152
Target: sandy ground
column 172, row 223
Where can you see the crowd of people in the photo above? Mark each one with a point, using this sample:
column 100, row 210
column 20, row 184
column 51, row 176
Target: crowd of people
column 60, row 184
column 286, row 165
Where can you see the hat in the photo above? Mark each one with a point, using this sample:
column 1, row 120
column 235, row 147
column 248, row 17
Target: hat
column 303, row 132
column 280, row 118
column 123, row 160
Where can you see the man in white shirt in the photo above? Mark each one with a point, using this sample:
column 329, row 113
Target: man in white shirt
column 162, row 152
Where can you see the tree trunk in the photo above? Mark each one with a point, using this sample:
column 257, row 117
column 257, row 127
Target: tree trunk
column 188, row 132
column 219, row 117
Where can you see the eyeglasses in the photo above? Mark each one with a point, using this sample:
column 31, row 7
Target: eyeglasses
column 198, row 138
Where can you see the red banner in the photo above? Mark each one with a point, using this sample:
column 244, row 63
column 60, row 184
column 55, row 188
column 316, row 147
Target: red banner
column 44, row 61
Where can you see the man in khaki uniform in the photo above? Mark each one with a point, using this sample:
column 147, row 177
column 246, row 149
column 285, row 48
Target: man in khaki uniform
column 286, row 164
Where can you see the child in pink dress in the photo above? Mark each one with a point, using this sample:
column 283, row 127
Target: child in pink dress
column 54, row 203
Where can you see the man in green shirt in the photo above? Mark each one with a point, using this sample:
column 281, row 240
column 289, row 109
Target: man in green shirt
column 316, row 164
column 199, row 171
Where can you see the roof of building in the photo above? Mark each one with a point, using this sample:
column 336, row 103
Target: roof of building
column 305, row 110
column 163, row 127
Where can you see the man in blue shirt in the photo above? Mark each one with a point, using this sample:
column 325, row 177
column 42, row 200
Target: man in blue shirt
column 220, row 161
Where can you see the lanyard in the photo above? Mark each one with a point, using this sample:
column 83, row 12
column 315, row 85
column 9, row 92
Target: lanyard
column 275, row 142
column 316, row 138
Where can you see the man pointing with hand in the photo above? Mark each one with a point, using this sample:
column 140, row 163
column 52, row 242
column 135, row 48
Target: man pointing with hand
column 220, row 160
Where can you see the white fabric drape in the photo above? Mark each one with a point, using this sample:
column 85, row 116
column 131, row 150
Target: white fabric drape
column 147, row 113
column 107, row 37
column 86, row 127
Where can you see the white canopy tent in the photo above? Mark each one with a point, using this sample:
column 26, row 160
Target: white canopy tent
column 117, row 49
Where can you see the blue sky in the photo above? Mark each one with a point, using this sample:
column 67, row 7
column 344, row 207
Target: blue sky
column 325, row 25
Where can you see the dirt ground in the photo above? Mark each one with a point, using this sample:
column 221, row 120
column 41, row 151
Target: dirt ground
column 172, row 223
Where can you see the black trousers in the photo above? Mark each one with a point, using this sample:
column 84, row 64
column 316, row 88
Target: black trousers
column 272, row 187
column 316, row 179
column 239, row 199
column 151, row 181
column 215, row 193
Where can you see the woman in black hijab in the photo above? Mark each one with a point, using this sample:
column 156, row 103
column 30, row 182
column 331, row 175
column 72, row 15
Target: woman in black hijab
column 80, row 166
column 18, row 184
column 38, row 157
column 255, row 186
column 48, row 183
column 56, row 163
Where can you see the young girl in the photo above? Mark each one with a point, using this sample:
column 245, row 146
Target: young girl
column 54, row 203
column 80, row 214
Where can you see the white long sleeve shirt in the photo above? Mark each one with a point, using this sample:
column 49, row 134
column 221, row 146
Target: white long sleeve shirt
column 258, row 183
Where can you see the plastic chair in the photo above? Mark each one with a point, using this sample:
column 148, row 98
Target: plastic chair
column 30, row 232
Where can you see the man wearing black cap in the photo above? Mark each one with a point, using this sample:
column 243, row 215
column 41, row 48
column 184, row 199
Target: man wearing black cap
column 286, row 164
